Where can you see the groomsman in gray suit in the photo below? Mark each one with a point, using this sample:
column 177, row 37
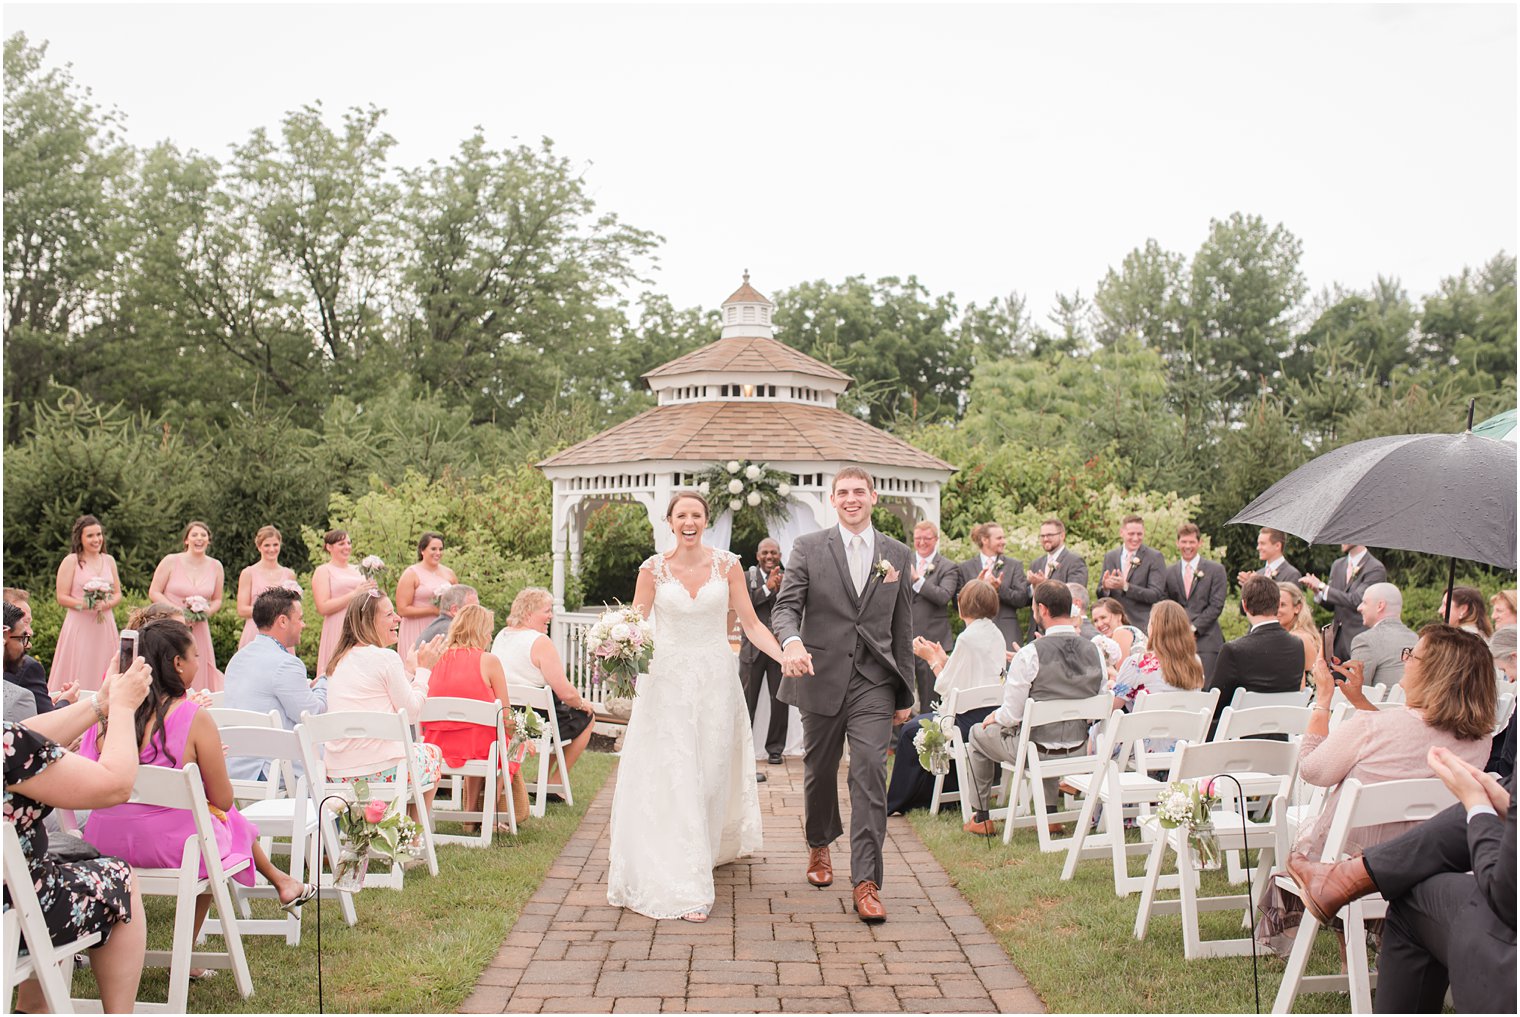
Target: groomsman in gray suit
column 1134, row 574
column 844, row 617
column 1004, row 573
column 1381, row 646
column 1058, row 562
column 935, row 584
column 1350, row 576
column 1200, row 587
column 1269, row 548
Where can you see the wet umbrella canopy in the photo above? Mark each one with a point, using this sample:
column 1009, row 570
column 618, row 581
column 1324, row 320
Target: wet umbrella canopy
column 1445, row 494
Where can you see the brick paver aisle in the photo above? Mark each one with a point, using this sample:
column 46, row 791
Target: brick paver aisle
column 772, row 943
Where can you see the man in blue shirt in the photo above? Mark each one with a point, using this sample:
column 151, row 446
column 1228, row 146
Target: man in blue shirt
column 267, row 675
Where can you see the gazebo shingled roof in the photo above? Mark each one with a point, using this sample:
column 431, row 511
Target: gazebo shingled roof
column 749, row 353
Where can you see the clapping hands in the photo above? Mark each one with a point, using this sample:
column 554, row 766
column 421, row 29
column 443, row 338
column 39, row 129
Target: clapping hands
column 1471, row 785
column 1113, row 579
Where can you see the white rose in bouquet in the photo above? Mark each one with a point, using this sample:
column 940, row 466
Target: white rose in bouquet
column 733, row 466
column 620, row 631
column 735, row 486
column 753, row 498
column 752, row 472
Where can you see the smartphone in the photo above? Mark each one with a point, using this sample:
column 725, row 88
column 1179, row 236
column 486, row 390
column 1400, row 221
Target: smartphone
column 128, row 651
column 1327, row 646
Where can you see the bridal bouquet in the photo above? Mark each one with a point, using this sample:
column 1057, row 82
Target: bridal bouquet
column 1187, row 806
column 97, row 591
column 372, row 568
column 197, row 609
column 621, row 641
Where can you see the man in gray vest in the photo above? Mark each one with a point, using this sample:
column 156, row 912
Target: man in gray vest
column 1058, row 665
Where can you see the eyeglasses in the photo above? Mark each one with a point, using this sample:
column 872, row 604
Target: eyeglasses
column 1407, row 653
column 25, row 640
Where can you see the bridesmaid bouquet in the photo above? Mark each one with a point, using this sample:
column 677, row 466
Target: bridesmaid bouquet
column 96, row 592
column 437, row 598
column 622, row 641
column 291, row 585
column 197, row 609
column 372, row 568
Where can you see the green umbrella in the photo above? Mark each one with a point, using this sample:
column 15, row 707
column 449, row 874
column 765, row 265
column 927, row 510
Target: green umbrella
column 1501, row 427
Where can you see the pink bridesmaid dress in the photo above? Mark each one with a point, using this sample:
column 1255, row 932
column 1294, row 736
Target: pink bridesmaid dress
column 85, row 644
column 411, row 628
column 178, row 589
column 258, row 585
column 339, row 582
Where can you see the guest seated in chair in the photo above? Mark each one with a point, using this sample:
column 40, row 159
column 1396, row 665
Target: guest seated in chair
column 1449, row 703
column 1450, row 887
column 467, row 671
column 94, row 895
column 1170, row 663
column 171, row 729
column 368, row 676
column 978, row 659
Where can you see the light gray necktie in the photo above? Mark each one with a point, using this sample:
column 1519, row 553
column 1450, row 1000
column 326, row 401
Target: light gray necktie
column 858, row 562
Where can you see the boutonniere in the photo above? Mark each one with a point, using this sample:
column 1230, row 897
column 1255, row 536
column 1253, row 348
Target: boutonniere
column 1271, row 572
column 929, row 567
column 997, row 566
column 884, row 571
column 1353, row 570
column 1134, row 561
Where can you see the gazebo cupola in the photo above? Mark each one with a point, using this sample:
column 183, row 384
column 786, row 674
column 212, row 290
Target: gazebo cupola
column 746, row 312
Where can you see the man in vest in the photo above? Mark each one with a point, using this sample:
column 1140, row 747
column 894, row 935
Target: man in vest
column 1059, row 665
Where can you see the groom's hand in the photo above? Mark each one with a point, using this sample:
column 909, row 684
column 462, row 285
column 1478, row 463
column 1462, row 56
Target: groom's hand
column 901, row 717
column 795, row 660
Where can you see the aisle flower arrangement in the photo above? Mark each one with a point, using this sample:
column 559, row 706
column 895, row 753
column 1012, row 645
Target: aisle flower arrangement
column 933, row 742
column 370, row 827
column 1187, row 806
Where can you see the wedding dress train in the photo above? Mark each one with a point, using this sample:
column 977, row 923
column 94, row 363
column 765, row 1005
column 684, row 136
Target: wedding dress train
column 685, row 800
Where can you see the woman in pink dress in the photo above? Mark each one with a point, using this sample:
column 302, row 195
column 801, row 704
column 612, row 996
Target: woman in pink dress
column 417, row 588
column 263, row 574
column 193, row 573
column 88, row 637
column 172, row 730
column 333, row 585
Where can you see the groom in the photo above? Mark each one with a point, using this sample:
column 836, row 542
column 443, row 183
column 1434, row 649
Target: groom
column 845, row 620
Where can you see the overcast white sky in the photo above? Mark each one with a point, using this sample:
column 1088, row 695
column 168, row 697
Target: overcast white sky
column 987, row 149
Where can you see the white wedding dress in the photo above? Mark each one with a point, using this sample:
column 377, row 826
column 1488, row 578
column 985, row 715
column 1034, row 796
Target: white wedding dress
column 685, row 800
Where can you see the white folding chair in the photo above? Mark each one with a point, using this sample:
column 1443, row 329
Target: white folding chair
column 315, row 730
column 1391, row 693
column 1244, row 699
column 960, row 702
column 1235, row 831
column 1359, row 805
column 52, row 966
column 550, row 745
column 1506, row 687
column 1115, row 788
column 452, row 808
column 182, row 789
column 1262, row 720
column 1031, row 768
column 281, row 808
column 1502, row 714
column 1177, row 700
column 218, row 698
column 226, row 716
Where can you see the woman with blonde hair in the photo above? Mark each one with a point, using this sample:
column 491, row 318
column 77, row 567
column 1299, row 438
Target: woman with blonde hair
column 187, row 577
column 262, row 575
column 1504, row 613
column 528, row 655
column 467, row 671
column 1295, row 615
column 368, row 675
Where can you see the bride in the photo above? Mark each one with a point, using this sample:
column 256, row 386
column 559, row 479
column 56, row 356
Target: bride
column 685, row 800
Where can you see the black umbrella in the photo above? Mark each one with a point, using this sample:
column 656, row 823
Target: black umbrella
column 1446, row 494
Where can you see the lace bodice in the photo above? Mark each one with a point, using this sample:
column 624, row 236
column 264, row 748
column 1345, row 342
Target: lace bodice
column 683, row 622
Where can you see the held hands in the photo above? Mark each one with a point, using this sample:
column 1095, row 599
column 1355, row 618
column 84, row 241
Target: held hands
column 901, row 717
column 795, row 660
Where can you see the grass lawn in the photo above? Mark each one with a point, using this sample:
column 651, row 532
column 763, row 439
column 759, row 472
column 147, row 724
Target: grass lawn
column 1074, row 941
column 416, row 951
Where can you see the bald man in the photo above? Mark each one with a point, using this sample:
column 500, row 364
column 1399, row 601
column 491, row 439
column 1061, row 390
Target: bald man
column 763, row 580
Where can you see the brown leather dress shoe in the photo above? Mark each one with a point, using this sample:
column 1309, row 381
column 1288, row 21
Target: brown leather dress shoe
column 868, row 902
column 1326, row 888
column 982, row 828
column 820, row 871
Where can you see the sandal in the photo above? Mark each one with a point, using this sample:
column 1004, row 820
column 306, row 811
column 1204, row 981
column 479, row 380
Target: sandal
column 695, row 917
column 308, row 891
column 201, row 974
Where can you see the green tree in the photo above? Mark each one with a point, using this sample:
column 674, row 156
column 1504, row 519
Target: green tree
column 1144, row 300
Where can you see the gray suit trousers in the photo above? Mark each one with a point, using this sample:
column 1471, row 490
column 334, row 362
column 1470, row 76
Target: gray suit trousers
column 866, row 720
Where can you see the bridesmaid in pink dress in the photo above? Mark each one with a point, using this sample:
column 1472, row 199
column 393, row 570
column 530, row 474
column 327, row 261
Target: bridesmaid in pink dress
column 417, row 587
column 193, row 573
column 88, row 638
column 263, row 574
column 333, row 585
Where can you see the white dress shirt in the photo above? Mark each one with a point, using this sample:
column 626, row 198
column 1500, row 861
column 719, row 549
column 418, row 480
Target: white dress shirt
column 1021, row 674
column 1272, row 566
column 1353, row 561
column 867, row 535
column 977, row 659
column 922, row 564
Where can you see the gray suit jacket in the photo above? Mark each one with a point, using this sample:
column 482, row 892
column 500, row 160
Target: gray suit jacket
column 763, row 600
column 1013, row 592
column 1204, row 603
column 1286, row 573
column 1147, row 584
column 845, row 632
column 1070, row 568
column 1345, row 598
column 1379, row 647
column 930, row 618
